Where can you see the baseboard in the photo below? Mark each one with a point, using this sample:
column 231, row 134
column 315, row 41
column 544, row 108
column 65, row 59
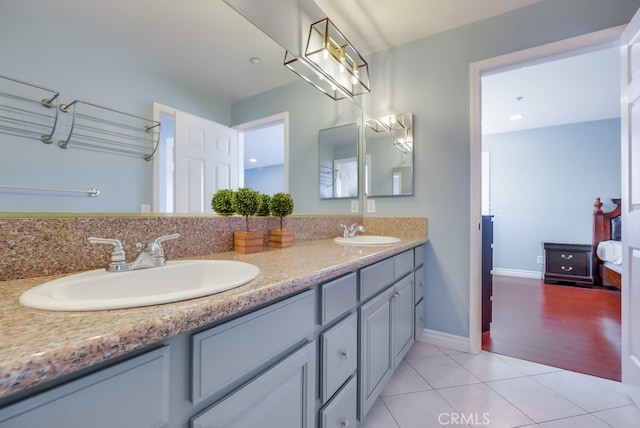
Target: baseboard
column 446, row 340
column 517, row 273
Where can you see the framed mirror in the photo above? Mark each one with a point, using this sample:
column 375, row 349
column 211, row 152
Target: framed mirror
column 388, row 157
column 339, row 162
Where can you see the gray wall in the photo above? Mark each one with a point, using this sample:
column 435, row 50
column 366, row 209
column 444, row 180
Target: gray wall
column 543, row 185
column 267, row 180
column 83, row 68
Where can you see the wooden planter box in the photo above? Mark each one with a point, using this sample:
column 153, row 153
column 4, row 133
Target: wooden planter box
column 248, row 242
column 280, row 238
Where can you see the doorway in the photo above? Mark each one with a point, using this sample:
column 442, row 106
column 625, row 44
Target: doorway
column 264, row 148
column 570, row 47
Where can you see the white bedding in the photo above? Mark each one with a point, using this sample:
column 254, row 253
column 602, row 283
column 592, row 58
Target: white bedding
column 610, row 252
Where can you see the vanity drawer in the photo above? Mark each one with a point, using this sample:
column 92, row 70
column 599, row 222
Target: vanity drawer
column 338, row 296
column 341, row 411
column 339, row 355
column 376, row 278
column 418, row 285
column 134, row 393
column 282, row 396
column 403, row 264
column 238, row 349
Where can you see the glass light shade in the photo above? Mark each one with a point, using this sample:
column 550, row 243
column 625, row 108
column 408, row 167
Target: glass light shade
column 328, row 50
column 313, row 76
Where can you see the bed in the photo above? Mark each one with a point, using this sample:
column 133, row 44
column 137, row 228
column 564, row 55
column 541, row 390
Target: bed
column 607, row 248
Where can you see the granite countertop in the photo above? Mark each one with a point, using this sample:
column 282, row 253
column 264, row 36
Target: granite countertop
column 37, row 346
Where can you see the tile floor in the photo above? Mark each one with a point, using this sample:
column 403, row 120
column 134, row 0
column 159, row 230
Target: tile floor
column 436, row 387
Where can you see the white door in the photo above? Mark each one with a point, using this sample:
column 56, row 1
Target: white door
column 631, row 207
column 206, row 160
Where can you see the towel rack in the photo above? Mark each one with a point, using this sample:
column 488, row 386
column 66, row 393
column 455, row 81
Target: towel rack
column 99, row 128
column 27, row 110
column 92, row 191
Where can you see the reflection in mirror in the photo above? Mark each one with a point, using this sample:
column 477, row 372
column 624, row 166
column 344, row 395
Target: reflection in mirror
column 339, row 162
column 388, row 160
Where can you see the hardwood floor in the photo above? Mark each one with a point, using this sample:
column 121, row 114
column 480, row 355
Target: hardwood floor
column 569, row 327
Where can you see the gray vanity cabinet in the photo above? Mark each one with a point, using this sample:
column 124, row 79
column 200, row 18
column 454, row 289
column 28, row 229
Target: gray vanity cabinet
column 403, row 318
column 319, row 358
column 134, row 393
column 282, row 397
column 376, row 353
column 387, row 323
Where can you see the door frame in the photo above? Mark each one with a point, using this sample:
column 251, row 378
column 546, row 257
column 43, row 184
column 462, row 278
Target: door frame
column 260, row 123
column 581, row 44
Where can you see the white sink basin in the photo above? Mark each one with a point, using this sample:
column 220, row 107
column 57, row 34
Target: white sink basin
column 178, row 280
column 367, row 240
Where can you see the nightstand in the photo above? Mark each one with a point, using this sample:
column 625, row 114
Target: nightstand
column 568, row 263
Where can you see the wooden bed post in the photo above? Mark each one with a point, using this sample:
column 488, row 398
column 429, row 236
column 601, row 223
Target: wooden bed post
column 597, row 237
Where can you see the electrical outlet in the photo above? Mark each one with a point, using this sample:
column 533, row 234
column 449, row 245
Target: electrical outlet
column 371, row 205
column 540, row 260
column 354, row 206
column 145, row 208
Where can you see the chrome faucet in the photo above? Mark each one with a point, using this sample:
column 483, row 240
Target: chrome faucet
column 151, row 256
column 350, row 232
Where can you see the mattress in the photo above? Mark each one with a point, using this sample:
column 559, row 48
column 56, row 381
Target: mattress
column 610, row 252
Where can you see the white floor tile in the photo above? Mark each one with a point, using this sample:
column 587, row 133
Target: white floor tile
column 583, row 390
column 421, row 350
column 443, row 372
column 485, row 406
column 622, row 417
column 553, row 397
column 535, row 400
column 487, row 366
column 405, row 380
column 379, row 417
column 420, row 409
column 582, row 421
column 527, row 367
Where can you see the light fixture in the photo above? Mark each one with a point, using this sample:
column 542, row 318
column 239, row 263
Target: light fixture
column 400, row 126
column 515, row 117
column 331, row 63
column 309, row 73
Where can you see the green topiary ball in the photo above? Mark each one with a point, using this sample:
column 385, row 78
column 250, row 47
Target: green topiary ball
column 265, row 205
column 281, row 205
column 221, row 202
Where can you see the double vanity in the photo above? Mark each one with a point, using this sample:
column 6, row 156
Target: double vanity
column 311, row 341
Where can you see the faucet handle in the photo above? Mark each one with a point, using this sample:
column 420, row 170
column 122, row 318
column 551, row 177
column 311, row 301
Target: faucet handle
column 155, row 246
column 117, row 255
column 161, row 239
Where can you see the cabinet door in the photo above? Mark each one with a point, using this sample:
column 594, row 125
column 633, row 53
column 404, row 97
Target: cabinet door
column 376, row 359
column 134, row 393
column 281, row 397
column 403, row 318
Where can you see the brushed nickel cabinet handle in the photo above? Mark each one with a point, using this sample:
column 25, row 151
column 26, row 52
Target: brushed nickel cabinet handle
column 564, row 256
column 567, row 269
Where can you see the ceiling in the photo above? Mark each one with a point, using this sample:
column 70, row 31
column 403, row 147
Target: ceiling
column 206, row 43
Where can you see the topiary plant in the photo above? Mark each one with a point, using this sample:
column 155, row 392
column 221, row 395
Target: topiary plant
column 265, row 205
column 221, row 202
column 246, row 202
column 281, row 205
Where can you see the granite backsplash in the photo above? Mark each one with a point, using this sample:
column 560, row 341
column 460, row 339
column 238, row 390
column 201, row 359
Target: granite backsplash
column 49, row 245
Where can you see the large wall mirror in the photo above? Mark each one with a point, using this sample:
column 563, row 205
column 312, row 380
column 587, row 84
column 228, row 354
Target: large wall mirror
column 338, row 148
column 388, row 157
